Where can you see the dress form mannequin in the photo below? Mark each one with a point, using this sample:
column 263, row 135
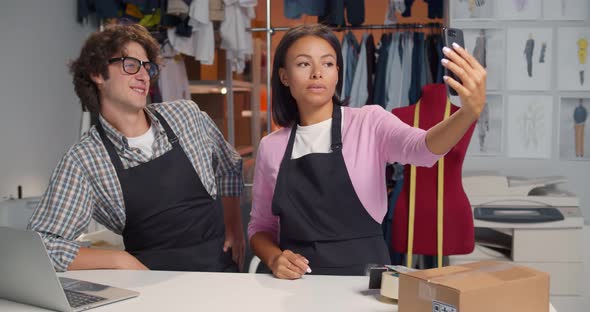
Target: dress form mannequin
column 458, row 231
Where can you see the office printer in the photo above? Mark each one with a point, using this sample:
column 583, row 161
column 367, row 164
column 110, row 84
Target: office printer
column 529, row 221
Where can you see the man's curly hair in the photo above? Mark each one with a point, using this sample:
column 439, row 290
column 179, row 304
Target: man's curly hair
column 97, row 50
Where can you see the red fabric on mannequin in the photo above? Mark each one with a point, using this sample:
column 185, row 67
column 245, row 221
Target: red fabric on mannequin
column 458, row 231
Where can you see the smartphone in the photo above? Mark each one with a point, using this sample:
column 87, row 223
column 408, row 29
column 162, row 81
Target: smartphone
column 450, row 36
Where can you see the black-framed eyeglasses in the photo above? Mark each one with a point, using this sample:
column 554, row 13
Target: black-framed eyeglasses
column 132, row 65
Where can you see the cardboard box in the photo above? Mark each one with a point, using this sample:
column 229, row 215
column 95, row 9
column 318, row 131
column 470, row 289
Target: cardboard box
column 487, row 286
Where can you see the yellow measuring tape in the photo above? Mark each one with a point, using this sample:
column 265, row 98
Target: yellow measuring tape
column 439, row 197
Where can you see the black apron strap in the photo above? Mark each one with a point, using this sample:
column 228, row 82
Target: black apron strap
column 110, row 148
column 336, row 129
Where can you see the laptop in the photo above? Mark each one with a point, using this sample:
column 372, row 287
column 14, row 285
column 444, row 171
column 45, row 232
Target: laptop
column 28, row 277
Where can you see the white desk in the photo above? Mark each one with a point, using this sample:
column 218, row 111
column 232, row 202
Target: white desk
column 176, row 291
column 237, row 292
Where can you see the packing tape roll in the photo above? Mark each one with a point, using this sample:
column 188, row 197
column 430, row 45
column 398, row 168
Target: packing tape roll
column 390, row 285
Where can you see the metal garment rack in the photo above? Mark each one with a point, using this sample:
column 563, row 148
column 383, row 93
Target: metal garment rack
column 360, row 27
column 271, row 30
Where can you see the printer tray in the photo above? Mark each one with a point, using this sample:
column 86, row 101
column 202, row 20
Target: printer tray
column 517, row 215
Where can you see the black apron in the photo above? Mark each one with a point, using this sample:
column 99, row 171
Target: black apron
column 320, row 214
column 172, row 222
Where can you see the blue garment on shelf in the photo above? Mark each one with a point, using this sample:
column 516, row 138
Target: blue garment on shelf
column 295, row 8
column 408, row 11
column 334, row 12
column 435, row 8
column 102, row 8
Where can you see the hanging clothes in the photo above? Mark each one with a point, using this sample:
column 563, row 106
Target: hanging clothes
column 201, row 43
column 295, row 8
column 350, row 53
column 359, row 93
column 426, row 73
column 234, row 38
column 379, row 93
column 146, row 6
column 216, row 10
column 418, row 80
column 435, row 8
column 438, row 49
column 407, row 60
column 458, row 230
column 173, row 82
column 177, row 7
column 396, row 171
column 395, row 74
column 390, row 17
column 370, row 59
column 434, row 54
column 408, row 8
column 102, row 8
column 334, row 12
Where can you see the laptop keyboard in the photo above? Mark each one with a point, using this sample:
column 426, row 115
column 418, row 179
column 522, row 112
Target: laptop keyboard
column 78, row 299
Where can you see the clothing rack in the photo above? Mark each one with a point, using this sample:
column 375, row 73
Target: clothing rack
column 270, row 30
column 359, row 27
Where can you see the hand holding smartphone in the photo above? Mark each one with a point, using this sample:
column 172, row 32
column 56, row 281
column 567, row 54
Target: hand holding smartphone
column 450, row 36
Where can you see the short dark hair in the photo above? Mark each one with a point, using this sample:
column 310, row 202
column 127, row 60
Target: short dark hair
column 284, row 106
column 97, row 50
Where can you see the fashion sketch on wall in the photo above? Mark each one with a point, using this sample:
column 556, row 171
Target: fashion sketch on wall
column 518, row 9
column 487, row 46
column 566, row 9
column 574, row 141
column 472, row 9
column 530, row 123
column 487, row 137
column 529, row 58
column 573, row 60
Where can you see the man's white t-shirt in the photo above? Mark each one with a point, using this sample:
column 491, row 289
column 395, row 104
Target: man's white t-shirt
column 144, row 142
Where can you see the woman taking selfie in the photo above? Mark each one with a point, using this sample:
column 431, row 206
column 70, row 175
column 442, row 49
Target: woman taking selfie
column 319, row 186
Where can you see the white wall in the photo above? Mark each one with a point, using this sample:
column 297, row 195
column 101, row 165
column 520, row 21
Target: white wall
column 577, row 172
column 39, row 111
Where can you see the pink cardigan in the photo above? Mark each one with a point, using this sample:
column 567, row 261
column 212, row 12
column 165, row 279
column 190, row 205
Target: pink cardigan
column 371, row 137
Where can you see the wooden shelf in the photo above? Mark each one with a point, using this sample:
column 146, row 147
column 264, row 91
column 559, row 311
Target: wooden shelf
column 217, row 87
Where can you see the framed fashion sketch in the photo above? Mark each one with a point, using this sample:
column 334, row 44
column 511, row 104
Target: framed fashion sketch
column 518, row 9
column 488, row 133
column 530, row 124
column 572, row 58
column 487, row 46
column 529, row 52
column 577, row 10
column 574, row 139
column 472, row 9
